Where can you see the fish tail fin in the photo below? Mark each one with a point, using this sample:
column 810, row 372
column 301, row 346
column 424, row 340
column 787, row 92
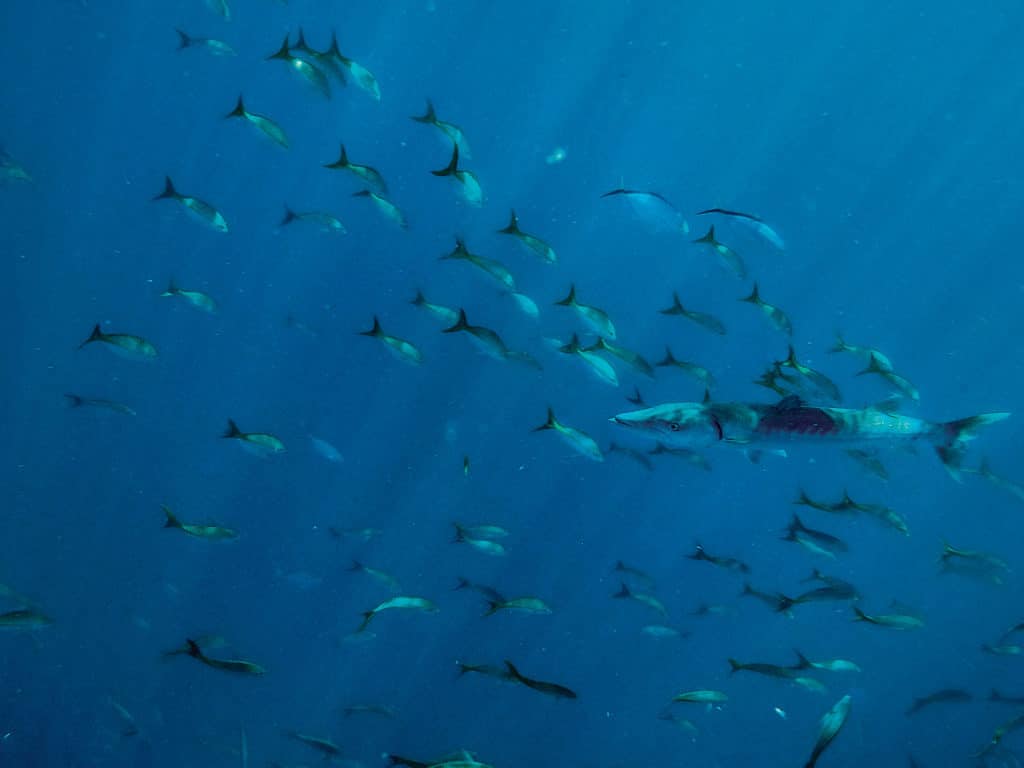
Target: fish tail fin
column 569, row 300
column 342, row 161
column 754, row 297
column 493, row 606
column 184, row 41
column 356, row 566
column 623, row 591
column 193, row 649
column 463, row 584
column 860, row 615
column 784, row 604
column 572, row 347
column 172, row 520
column 551, row 423
column 709, row 238
column 512, row 671
column 172, row 288
column 513, row 225
column 802, row 661
column 460, row 534
column 840, row 345
column 873, row 367
column 335, row 51
column 289, row 216
column 791, row 360
column 429, row 117
column 952, row 437
column 238, row 111
column 734, row 666
column 419, row 299
column 74, row 401
column 96, row 335
column 367, row 618
column 452, row 166
column 747, row 590
column 461, row 324
column 375, row 331
column 995, row 695
column 284, row 52
column 169, row 191
column 232, row 430
column 698, row 552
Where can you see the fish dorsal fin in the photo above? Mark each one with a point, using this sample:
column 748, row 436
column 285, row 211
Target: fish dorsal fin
column 789, row 403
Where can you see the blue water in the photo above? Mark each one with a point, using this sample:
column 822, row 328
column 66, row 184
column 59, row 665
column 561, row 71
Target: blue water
column 881, row 140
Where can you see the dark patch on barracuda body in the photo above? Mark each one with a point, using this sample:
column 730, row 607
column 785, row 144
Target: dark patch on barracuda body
column 792, row 417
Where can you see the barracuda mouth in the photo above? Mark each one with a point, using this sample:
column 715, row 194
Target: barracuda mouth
column 623, row 421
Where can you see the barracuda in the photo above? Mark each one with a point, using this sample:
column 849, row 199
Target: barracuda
column 695, row 425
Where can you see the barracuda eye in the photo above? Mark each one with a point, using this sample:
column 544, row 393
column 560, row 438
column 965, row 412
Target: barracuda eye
column 674, row 426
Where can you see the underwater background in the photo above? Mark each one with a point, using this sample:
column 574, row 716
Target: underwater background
column 880, row 140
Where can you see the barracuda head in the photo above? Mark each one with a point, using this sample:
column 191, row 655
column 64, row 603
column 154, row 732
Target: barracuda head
column 687, row 425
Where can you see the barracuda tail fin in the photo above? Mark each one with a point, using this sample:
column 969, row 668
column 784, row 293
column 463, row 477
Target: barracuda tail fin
column 952, row 437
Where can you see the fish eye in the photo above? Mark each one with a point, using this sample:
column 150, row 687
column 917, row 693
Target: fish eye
column 674, row 426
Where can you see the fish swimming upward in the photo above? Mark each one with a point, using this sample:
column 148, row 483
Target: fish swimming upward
column 694, row 425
